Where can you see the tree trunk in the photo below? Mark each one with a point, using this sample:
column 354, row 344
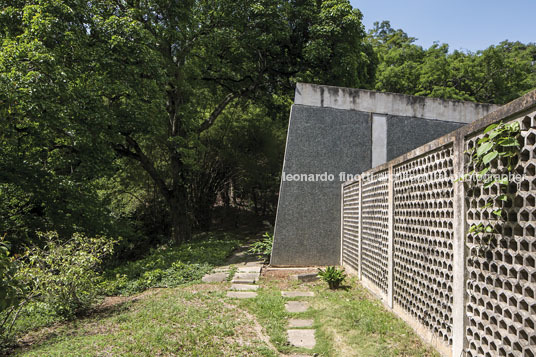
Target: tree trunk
column 181, row 227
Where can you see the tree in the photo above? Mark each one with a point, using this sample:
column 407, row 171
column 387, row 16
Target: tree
column 145, row 81
column 497, row 74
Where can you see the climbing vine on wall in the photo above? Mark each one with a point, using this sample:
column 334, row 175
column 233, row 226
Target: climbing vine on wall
column 492, row 160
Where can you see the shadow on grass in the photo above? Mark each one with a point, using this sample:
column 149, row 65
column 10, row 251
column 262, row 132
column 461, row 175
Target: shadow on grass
column 341, row 287
column 110, row 307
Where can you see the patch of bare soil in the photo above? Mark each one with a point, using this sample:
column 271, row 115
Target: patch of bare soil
column 245, row 333
column 282, row 278
column 110, row 302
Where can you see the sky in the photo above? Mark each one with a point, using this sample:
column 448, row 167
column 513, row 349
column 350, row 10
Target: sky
column 464, row 25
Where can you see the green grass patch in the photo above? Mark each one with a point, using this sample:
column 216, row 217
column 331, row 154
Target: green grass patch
column 361, row 326
column 163, row 267
column 170, row 322
column 170, row 266
column 269, row 308
column 348, row 322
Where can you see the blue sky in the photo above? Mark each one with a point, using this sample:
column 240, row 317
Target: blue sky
column 469, row 25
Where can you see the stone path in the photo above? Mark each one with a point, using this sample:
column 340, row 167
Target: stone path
column 217, row 277
column 244, row 286
column 302, row 338
column 296, row 306
column 244, row 279
column 297, row 335
column 300, row 323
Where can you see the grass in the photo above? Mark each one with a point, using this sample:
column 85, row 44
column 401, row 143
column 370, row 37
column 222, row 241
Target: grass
column 348, row 322
column 163, row 267
column 164, row 322
column 170, row 266
column 362, row 324
column 196, row 319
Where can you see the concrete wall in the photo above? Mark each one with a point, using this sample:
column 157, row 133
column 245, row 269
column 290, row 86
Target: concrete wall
column 408, row 242
column 346, row 131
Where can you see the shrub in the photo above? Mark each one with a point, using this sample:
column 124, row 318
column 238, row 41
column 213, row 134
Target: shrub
column 12, row 293
column 333, row 276
column 65, row 275
column 263, row 248
column 169, row 266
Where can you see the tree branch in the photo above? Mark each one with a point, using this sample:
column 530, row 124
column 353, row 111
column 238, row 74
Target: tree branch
column 145, row 162
column 216, row 112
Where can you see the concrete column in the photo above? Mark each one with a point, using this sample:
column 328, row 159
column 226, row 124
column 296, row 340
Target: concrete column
column 379, row 139
column 459, row 272
column 360, row 241
column 390, row 251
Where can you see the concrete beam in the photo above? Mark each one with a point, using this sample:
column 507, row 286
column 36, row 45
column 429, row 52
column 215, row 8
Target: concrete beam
column 390, row 103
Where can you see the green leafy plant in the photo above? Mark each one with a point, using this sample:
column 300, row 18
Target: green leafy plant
column 65, row 276
column 263, row 248
column 12, row 293
column 333, row 276
column 499, row 143
column 169, row 266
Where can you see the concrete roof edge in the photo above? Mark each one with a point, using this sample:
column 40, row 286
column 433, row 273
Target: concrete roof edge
column 517, row 107
column 389, row 103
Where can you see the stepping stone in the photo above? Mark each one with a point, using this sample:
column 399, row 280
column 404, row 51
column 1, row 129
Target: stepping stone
column 297, row 306
column 252, row 270
column 292, row 294
column 245, row 278
column 255, row 264
column 302, row 338
column 222, row 269
column 244, row 287
column 300, row 323
column 241, row 294
column 306, row 278
column 215, row 277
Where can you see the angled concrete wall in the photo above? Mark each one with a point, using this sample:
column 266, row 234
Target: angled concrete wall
column 338, row 131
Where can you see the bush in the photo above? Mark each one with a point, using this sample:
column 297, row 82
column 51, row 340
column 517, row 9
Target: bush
column 65, row 275
column 12, row 293
column 333, row 276
column 169, row 266
column 263, row 248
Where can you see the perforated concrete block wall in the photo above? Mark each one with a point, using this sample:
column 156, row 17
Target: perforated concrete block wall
column 423, row 231
column 350, row 229
column 406, row 234
column 501, row 266
column 374, row 234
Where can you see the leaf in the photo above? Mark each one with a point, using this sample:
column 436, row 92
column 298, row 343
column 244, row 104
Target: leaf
column 483, row 140
column 490, row 157
column 494, row 134
column 484, row 148
column 483, row 172
column 489, row 229
column 490, row 128
column 508, row 142
column 497, row 212
column 503, row 181
column 489, row 183
column 503, row 197
column 514, row 127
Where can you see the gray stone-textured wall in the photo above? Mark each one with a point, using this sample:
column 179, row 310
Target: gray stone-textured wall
column 461, row 294
column 346, row 131
column 308, row 212
column 402, row 136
